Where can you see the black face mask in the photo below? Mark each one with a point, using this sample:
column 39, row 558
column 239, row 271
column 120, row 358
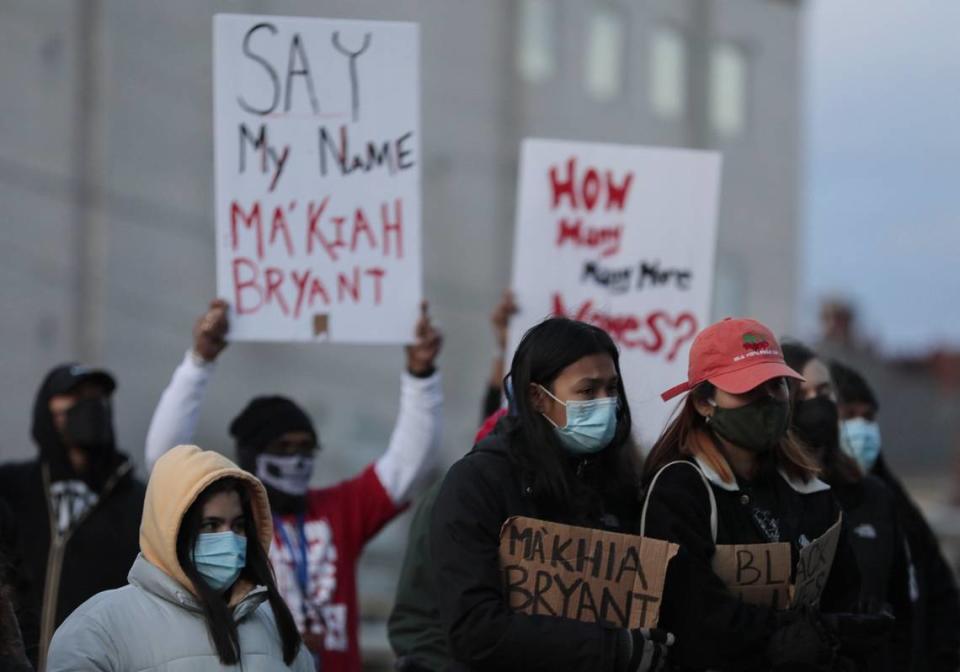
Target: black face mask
column 90, row 425
column 817, row 422
column 758, row 426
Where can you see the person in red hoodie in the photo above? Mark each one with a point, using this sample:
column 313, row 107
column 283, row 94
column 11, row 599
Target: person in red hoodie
column 319, row 533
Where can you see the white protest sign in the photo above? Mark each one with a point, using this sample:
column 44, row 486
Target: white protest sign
column 317, row 144
column 622, row 237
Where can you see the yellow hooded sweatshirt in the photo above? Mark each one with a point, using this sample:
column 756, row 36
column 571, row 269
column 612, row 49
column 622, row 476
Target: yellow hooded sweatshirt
column 177, row 480
column 155, row 622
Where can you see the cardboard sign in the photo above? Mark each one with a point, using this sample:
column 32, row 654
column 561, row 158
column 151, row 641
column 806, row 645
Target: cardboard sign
column 760, row 573
column 756, row 573
column 622, row 237
column 813, row 567
column 317, row 144
column 583, row 574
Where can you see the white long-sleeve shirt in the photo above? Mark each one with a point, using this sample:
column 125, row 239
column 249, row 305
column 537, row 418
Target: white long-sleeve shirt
column 410, row 455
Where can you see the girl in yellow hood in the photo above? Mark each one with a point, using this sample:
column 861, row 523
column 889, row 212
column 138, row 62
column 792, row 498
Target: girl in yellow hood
column 201, row 592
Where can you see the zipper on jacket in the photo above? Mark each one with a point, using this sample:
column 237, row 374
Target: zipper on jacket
column 581, row 466
column 58, row 547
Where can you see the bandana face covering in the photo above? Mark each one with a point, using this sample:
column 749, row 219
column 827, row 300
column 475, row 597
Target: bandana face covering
column 290, row 474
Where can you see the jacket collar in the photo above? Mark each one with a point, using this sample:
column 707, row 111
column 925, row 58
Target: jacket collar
column 810, row 487
column 151, row 579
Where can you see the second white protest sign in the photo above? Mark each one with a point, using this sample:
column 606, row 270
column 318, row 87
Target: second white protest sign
column 622, row 237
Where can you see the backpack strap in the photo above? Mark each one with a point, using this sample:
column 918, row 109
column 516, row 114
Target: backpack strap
column 706, row 484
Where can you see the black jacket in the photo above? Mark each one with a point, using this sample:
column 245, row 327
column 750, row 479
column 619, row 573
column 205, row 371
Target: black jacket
column 870, row 518
column 97, row 555
column 478, row 494
column 714, row 629
column 933, row 588
column 98, row 551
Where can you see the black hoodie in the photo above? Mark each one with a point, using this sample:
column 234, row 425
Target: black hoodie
column 95, row 555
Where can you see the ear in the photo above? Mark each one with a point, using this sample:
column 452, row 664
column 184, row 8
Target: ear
column 703, row 407
column 538, row 399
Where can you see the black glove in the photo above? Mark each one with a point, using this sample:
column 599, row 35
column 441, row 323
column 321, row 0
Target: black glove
column 644, row 650
column 801, row 642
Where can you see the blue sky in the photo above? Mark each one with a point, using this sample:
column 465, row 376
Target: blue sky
column 882, row 206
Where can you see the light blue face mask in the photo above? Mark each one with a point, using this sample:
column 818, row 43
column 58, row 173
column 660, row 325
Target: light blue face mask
column 590, row 424
column 219, row 557
column 860, row 439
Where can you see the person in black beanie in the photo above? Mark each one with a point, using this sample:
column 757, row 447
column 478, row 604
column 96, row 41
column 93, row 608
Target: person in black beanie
column 76, row 498
column 276, row 440
column 319, row 533
column 935, row 601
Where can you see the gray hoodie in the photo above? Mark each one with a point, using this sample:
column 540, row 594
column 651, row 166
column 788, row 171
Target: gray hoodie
column 156, row 622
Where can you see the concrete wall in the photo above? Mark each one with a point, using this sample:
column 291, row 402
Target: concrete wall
column 106, row 243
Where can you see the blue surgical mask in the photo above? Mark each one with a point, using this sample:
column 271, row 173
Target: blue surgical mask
column 860, row 439
column 219, row 557
column 590, row 424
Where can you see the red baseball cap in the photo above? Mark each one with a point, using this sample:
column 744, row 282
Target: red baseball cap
column 736, row 355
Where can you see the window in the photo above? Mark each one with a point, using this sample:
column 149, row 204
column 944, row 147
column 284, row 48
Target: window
column 728, row 90
column 536, row 40
column 668, row 73
column 603, row 73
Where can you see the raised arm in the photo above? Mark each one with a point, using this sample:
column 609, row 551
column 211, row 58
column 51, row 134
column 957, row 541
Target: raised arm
column 415, row 441
column 175, row 418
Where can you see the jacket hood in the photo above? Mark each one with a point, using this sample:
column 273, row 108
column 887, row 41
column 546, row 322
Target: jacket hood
column 50, row 444
column 177, row 479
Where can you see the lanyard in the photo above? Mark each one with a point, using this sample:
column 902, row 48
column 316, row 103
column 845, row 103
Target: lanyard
column 299, row 554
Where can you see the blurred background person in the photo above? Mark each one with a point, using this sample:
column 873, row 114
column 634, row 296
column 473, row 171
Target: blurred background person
column 77, row 504
column 500, row 321
column 415, row 629
column 932, row 585
column 869, row 510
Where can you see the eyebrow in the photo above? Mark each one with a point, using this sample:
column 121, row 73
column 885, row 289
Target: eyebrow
column 612, row 379
column 218, row 519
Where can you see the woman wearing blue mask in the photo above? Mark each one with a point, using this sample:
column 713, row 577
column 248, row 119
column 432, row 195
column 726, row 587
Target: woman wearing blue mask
column 934, row 596
column 201, row 594
column 564, row 455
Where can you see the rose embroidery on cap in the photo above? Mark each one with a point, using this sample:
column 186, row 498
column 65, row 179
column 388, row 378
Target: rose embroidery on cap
column 755, row 342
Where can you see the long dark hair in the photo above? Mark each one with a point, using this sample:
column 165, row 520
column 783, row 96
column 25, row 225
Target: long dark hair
column 838, row 467
column 217, row 613
column 544, row 352
column 684, row 436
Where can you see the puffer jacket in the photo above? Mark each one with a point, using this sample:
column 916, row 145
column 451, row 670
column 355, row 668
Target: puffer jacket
column 156, row 621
